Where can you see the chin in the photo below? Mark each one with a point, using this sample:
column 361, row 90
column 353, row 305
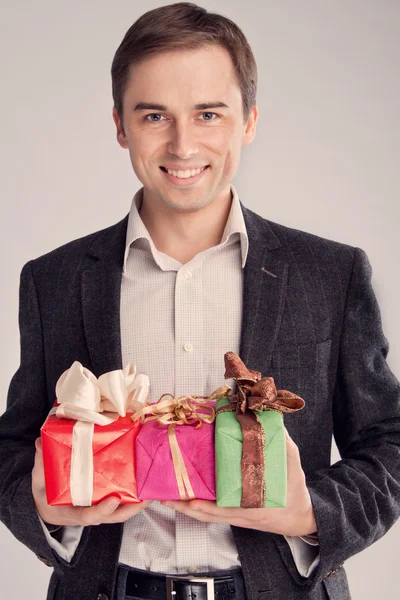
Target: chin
column 188, row 205
column 184, row 208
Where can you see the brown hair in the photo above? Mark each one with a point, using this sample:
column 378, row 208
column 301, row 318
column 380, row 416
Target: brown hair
column 183, row 26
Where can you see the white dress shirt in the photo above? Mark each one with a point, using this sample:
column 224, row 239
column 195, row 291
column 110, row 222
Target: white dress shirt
column 177, row 321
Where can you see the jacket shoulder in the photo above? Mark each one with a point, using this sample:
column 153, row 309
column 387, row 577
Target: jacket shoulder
column 276, row 234
column 72, row 254
column 289, row 236
column 310, row 254
column 315, row 253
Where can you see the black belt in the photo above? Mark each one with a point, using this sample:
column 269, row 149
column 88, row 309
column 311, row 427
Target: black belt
column 152, row 586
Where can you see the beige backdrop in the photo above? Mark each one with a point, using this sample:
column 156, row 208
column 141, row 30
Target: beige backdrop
column 325, row 159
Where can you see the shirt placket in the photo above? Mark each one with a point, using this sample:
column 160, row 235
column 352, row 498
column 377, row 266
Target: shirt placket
column 191, row 535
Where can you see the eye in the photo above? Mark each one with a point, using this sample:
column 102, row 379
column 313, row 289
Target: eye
column 157, row 120
column 209, row 116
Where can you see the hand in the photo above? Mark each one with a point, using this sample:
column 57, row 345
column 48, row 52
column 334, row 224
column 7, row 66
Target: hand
column 296, row 519
column 106, row 511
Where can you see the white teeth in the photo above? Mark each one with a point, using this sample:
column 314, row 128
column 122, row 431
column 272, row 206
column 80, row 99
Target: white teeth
column 185, row 174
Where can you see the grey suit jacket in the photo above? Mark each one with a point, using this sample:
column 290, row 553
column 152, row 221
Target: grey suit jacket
column 310, row 320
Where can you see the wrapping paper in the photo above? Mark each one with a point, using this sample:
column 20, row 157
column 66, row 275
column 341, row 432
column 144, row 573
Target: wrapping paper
column 228, row 449
column 175, row 449
column 113, row 460
column 155, row 474
column 88, row 437
column 251, row 440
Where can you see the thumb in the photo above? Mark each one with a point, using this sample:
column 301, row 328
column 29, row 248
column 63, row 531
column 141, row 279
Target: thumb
column 39, row 453
column 97, row 513
column 109, row 505
column 293, row 457
column 38, row 469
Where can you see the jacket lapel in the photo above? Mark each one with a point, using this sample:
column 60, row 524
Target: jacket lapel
column 101, row 290
column 264, row 290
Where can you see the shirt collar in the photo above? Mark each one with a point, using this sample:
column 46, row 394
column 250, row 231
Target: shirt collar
column 235, row 224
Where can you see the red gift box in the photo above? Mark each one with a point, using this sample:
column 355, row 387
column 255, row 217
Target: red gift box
column 113, row 460
column 88, row 438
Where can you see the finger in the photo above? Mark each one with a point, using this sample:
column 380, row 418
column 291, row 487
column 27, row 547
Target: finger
column 245, row 520
column 204, row 506
column 292, row 450
column 293, row 459
column 211, row 509
column 125, row 512
column 110, row 511
column 94, row 515
column 38, row 471
column 208, row 518
column 39, row 452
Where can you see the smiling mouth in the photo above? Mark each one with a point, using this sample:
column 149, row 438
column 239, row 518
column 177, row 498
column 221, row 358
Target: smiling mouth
column 184, row 174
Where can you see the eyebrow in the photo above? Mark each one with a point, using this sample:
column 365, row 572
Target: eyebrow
column 202, row 106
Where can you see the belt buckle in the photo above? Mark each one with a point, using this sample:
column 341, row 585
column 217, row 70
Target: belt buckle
column 171, row 593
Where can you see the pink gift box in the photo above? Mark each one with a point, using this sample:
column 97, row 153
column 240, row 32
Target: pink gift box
column 155, row 475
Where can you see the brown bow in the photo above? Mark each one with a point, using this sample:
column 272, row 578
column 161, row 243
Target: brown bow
column 254, row 393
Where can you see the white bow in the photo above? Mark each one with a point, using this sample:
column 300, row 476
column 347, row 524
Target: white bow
column 89, row 401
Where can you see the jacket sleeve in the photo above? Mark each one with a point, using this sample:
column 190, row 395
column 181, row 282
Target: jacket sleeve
column 357, row 499
column 69, row 538
column 27, row 408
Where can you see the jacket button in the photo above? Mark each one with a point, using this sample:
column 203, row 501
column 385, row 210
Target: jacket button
column 102, row 597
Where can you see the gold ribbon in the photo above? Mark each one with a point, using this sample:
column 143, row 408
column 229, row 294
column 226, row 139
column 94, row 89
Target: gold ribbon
column 183, row 410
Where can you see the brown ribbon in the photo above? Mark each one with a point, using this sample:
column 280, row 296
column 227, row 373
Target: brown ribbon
column 254, row 393
column 183, row 410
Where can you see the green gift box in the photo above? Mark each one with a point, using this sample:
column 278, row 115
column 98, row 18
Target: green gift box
column 250, row 439
column 228, row 457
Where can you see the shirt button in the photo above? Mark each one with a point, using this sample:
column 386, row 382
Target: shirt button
column 188, row 347
column 187, row 274
column 192, row 570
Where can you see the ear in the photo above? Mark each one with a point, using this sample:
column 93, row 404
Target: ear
column 250, row 130
column 121, row 137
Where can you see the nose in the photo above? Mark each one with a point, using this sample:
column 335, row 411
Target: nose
column 182, row 142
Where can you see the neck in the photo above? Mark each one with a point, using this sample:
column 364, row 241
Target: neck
column 182, row 235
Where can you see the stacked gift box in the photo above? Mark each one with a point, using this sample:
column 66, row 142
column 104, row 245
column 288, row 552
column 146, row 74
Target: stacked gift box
column 102, row 438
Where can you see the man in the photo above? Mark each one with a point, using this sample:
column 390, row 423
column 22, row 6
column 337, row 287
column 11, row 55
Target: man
column 189, row 274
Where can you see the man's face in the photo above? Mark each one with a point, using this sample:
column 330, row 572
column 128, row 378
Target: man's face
column 183, row 113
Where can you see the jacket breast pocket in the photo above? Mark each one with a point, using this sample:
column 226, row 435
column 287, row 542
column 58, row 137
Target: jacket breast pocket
column 300, row 356
column 304, row 367
column 306, row 371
